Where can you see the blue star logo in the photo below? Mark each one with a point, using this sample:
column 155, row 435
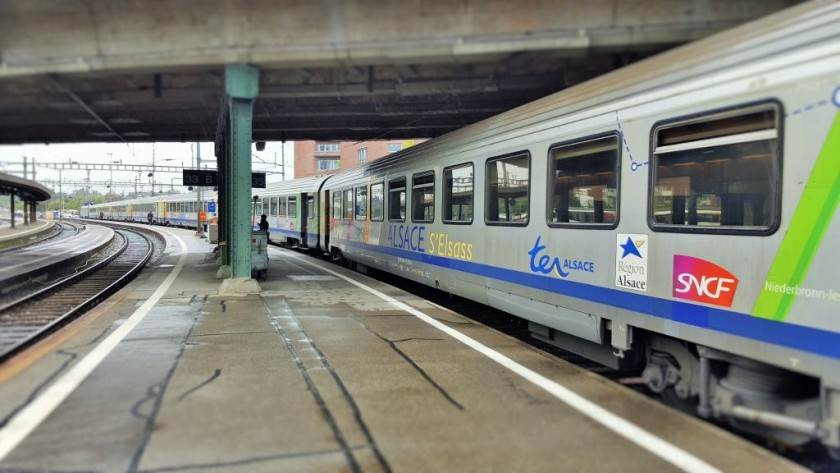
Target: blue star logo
column 630, row 248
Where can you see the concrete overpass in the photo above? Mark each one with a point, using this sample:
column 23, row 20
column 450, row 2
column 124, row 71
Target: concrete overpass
column 102, row 70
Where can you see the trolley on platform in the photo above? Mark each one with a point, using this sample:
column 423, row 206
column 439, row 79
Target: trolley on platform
column 259, row 253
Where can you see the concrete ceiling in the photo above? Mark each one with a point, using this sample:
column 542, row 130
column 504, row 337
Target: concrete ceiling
column 103, row 71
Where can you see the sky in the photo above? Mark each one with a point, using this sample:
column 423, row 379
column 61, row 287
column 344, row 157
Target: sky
column 167, row 154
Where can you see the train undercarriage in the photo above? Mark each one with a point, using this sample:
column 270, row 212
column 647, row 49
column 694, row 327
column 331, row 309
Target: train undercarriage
column 788, row 408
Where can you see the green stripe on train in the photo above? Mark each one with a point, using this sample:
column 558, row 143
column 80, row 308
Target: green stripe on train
column 810, row 220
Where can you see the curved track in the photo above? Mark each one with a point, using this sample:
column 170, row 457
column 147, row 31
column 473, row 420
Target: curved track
column 24, row 322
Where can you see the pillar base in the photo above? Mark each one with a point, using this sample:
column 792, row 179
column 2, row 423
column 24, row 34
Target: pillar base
column 223, row 272
column 239, row 286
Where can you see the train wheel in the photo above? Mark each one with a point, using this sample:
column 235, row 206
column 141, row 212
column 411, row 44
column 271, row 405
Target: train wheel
column 670, row 398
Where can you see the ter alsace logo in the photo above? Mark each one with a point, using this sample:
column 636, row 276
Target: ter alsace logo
column 699, row 280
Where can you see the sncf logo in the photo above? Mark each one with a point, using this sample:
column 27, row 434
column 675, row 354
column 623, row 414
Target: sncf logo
column 699, row 280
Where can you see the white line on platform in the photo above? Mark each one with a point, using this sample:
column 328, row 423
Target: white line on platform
column 28, row 419
column 653, row 444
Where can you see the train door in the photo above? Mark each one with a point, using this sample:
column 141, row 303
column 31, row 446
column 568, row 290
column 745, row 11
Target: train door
column 324, row 224
column 294, row 220
column 162, row 211
column 304, row 219
column 311, row 240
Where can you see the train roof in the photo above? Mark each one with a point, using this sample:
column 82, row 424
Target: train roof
column 182, row 197
column 765, row 39
column 296, row 186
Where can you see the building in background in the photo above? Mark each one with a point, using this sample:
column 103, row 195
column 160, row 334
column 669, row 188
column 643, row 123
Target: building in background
column 317, row 158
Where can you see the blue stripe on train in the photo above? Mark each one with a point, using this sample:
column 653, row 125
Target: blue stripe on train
column 807, row 339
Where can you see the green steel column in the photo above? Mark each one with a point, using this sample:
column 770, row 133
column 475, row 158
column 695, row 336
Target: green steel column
column 224, row 192
column 242, row 87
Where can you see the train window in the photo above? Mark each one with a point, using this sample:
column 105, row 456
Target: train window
column 507, row 189
column 718, row 173
column 272, row 207
column 281, row 207
column 348, row 204
column 292, row 207
column 377, row 202
column 458, row 194
column 423, row 197
column 361, row 203
column 583, row 183
column 265, row 206
column 396, row 199
column 336, row 205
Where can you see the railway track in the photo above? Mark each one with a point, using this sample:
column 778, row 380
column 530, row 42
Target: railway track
column 30, row 319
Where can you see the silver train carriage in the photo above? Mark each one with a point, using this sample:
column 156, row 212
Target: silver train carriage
column 678, row 215
column 167, row 209
column 293, row 210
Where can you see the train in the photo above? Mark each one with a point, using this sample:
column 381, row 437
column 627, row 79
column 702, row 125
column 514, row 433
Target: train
column 676, row 217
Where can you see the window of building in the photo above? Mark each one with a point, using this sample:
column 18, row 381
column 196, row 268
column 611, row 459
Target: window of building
column 361, row 203
column 583, row 187
column 362, row 155
column 348, row 204
column 458, row 194
column 394, row 147
column 507, row 189
column 377, row 202
column 292, row 207
column 423, row 197
column 327, row 148
column 336, row 205
column 718, row 173
column 327, row 164
column 396, row 199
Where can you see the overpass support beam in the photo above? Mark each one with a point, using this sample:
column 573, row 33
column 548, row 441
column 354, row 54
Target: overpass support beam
column 242, row 87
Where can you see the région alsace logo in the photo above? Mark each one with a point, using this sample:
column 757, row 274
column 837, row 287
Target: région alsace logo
column 699, row 280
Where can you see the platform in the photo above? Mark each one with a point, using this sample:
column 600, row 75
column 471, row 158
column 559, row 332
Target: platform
column 7, row 233
column 324, row 371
